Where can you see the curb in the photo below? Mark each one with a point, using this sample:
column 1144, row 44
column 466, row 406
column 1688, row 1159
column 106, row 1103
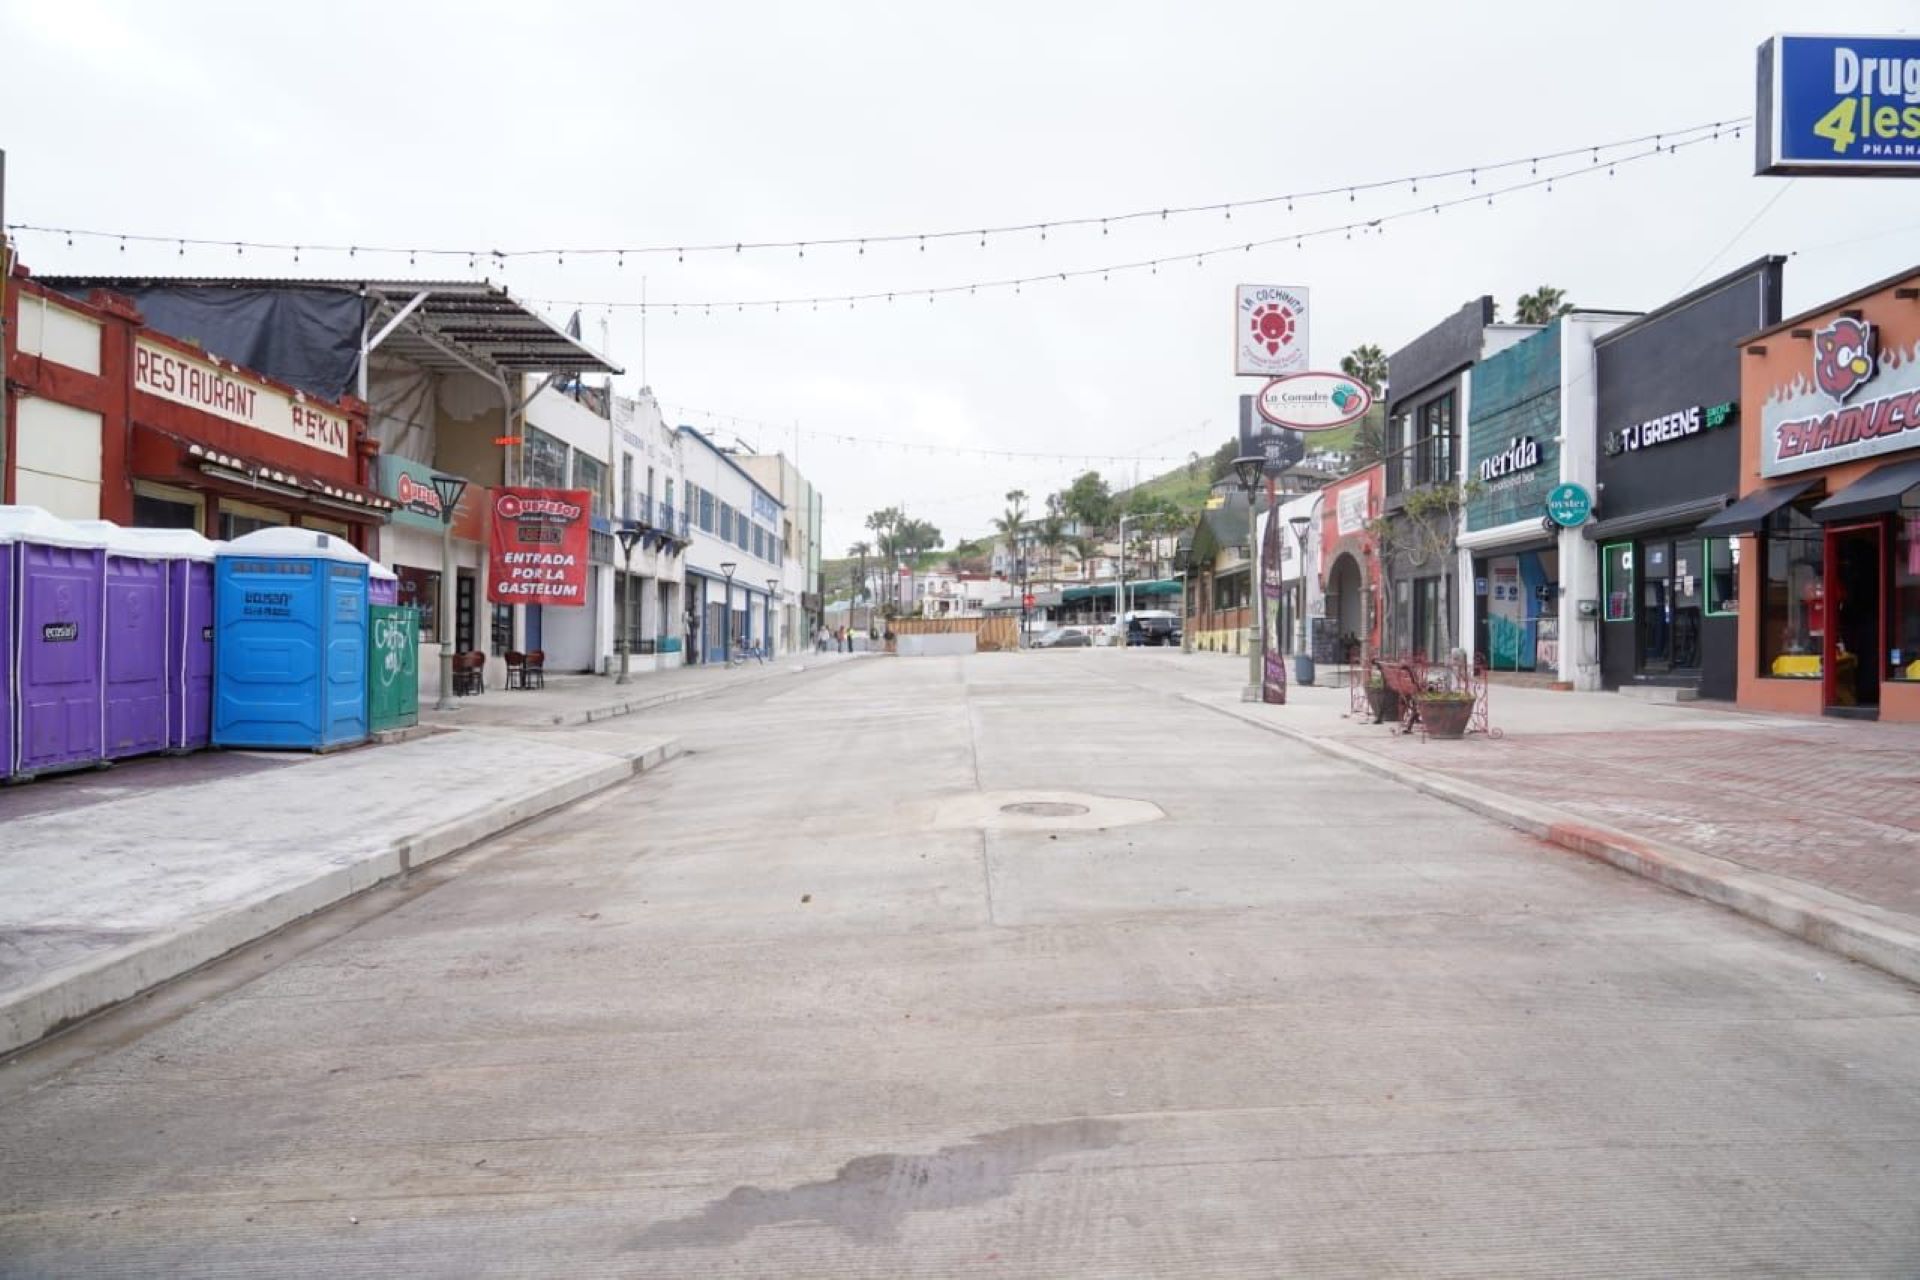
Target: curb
column 1881, row 939
column 62, row 999
column 593, row 715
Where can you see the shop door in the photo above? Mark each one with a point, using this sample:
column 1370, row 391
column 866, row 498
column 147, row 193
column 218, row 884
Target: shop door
column 1672, row 589
column 1856, row 568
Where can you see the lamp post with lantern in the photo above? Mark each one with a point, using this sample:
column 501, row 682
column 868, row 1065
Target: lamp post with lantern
column 1247, row 470
column 448, row 489
column 726, row 615
column 629, row 534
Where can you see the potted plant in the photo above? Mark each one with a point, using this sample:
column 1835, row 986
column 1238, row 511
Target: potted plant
column 1445, row 712
column 1382, row 701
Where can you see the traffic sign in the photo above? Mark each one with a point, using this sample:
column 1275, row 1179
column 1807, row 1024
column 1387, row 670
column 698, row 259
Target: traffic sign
column 1027, row 600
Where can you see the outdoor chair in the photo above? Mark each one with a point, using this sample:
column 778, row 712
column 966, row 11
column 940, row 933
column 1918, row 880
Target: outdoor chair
column 516, row 669
column 534, row 676
column 469, row 674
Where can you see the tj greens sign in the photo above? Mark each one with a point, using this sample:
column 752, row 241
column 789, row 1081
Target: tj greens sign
column 1839, row 105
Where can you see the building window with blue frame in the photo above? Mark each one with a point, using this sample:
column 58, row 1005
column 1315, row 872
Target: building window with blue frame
column 726, row 523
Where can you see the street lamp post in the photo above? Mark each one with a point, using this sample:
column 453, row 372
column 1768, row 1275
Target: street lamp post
column 448, row 490
column 628, row 534
column 726, row 616
column 1247, row 470
column 773, row 586
column 1302, row 660
column 1120, row 584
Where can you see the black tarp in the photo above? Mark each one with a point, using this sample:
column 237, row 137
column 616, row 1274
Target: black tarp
column 306, row 337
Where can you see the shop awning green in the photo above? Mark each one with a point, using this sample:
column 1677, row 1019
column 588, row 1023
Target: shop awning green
column 1145, row 587
column 1748, row 514
column 1875, row 494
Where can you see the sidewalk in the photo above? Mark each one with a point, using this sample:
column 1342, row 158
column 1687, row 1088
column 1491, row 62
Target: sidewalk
column 1812, row 826
column 118, row 891
column 583, row 699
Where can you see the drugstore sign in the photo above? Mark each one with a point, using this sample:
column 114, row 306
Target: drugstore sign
column 1845, row 105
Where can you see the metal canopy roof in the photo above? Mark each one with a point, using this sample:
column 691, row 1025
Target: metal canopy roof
column 478, row 318
column 443, row 325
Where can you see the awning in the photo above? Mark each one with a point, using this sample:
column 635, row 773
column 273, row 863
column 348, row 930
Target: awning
column 1679, row 513
column 161, row 455
column 1874, row 494
column 1748, row 514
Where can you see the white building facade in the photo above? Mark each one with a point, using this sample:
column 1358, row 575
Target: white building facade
column 802, row 592
column 736, row 560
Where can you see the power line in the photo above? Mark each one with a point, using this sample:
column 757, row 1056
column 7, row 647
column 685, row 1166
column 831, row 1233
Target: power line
column 1364, row 226
column 733, row 423
column 475, row 255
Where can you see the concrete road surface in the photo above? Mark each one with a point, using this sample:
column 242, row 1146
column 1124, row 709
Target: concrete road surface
column 809, row 1002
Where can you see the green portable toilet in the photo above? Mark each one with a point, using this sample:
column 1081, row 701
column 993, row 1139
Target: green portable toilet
column 393, row 667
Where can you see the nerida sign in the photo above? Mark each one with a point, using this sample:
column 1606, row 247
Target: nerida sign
column 1521, row 454
column 1314, row 401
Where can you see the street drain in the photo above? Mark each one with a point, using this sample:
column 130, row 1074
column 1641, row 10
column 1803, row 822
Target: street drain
column 1045, row 809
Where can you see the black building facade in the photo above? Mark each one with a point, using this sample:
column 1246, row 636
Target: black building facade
column 1425, row 408
column 1669, row 457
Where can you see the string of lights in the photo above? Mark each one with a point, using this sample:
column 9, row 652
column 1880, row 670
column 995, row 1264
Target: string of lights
column 474, row 256
column 1367, row 225
column 735, row 423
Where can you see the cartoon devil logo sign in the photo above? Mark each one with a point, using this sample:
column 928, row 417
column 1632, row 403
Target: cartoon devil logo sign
column 1843, row 357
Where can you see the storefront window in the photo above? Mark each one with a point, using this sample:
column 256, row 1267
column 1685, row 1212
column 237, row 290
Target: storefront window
column 591, row 474
column 502, row 630
column 420, row 589
column 1793, row 614
column 164, row 513
column 1616, row 569
column 1904, row 656
column 1723, row 577
column 543, row 460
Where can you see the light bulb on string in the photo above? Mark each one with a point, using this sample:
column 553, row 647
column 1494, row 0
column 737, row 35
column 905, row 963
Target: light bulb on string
column 1103, row 226
column 923, row 244
column 183, row 248
column 803, row 250
column 238, row 252
column 1043, row 231
column 1473, row 177
column 123, row 244
column 863, row 248
column 620, row 259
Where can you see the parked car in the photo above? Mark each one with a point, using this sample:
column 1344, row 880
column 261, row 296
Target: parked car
column 1063, row 638
column 1152, row 627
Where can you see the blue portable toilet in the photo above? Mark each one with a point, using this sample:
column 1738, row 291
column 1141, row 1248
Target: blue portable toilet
column 289, row 641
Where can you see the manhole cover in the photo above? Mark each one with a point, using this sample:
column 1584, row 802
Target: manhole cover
column 1045, row 809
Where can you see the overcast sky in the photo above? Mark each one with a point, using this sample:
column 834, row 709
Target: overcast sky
column 623, row 124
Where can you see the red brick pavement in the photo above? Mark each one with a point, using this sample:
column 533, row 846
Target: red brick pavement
column 1831, row 803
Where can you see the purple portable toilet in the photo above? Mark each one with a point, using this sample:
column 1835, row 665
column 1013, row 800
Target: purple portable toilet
column 383, row 584
column 134, row 693
column 55, row 603
column 188, row 561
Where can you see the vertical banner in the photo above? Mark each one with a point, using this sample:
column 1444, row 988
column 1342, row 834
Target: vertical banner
column 1273, row 658
column 537, row 552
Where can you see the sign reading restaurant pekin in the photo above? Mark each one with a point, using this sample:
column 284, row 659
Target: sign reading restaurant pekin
column 200, row 384
column 1831, row 417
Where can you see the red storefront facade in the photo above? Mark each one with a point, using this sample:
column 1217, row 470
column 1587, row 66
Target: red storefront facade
column 108, row 418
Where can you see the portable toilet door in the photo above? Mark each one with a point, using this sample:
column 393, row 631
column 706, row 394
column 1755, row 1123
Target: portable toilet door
column 393, row 670
column 56, row 598
column 6, row 660
column 188, row 560
column 134, row 694
column 290, row 641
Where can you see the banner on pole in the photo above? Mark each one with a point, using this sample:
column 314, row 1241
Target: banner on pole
column 537, row 551
column 1273, row 656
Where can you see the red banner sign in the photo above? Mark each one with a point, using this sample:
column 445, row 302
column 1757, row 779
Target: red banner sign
column 538, row 546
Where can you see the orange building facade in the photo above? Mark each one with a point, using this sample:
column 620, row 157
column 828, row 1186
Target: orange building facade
column 1827, row 528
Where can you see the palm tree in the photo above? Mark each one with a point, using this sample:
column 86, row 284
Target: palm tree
column 1366, row 363
column 1541, row 306
column 1053, row 536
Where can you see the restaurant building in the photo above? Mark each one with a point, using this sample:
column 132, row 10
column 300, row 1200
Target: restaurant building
column 1669, row 421
column 1530, row 429
column 1431, row 389
column 110, row 418
column 1829, row 515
